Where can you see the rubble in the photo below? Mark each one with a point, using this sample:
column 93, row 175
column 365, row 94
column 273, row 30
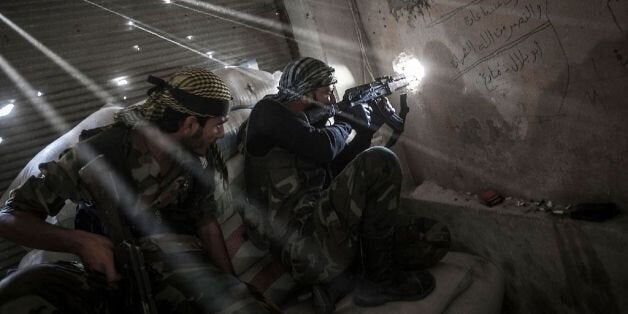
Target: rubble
column 492, row 198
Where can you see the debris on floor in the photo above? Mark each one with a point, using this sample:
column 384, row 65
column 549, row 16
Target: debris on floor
column 490, row 198
column 593, row 211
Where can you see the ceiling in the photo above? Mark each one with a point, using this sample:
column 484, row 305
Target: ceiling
column 60, row 60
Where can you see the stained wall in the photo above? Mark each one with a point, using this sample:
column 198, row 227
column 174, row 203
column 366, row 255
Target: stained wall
column 523, row 96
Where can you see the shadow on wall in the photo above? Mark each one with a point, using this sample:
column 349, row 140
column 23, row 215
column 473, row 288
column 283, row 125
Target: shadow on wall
column 572, row 148
column 579, row 150
column 457, row 132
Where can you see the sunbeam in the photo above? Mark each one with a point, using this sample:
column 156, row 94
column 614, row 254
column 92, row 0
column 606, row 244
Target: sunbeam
column 254, row 22
column 44, row 108
column 72, row 71
column 153, row 31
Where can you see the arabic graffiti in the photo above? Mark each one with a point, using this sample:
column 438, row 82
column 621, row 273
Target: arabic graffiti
column 493, row 35
column 482, row 11
column 516, row 61
column 595, row 97
column 502, row 46
column 495, row 28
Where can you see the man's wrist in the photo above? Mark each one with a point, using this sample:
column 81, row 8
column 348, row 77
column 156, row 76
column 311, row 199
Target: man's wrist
column 74, row 241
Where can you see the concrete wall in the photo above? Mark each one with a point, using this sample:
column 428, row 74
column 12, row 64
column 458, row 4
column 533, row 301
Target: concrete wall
column 523, row 96
column 326, row 30
column 552, row 264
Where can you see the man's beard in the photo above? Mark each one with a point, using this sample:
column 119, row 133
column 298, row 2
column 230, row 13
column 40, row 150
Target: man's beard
column 194, row 142
column 317, row 111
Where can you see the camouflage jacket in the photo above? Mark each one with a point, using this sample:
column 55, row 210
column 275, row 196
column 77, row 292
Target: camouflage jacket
column 287, row 167
column 173, row 197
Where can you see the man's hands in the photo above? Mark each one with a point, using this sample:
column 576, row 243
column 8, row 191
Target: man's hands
column 362, row 118
column 357, row 115
column 26, row 228
column 386, row 110
column 213, row 242
column 96, row 252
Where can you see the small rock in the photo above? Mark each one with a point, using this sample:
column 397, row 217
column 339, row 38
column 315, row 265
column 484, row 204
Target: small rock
column 508, row 198
column 549, row 204
column 490, row 198
column 521, row 203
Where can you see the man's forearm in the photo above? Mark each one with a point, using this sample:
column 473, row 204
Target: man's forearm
column 214, row 243
column 28, row 230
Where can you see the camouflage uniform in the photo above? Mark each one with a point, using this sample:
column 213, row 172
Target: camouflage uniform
column 182, row 276
column 319, row 200
column 312, row 222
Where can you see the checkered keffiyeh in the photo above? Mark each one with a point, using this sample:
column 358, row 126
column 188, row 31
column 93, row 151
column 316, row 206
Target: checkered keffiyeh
column 194, row 81
column 302, row 76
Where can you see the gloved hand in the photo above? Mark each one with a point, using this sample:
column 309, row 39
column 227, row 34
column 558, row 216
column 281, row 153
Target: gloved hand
column 358, row 116
column 379, row 117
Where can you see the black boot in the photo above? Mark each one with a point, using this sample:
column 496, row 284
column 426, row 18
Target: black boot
column 325, row 296
column 382, row 281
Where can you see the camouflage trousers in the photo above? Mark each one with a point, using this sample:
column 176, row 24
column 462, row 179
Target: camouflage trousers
column 65, row 287
column 362, row 201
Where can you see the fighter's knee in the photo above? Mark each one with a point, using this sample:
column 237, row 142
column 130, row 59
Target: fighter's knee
column 381, row 160
column 382, row 155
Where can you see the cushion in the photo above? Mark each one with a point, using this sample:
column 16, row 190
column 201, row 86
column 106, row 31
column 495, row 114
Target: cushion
column 464, row 284
column 248, row 85
column 251, row 264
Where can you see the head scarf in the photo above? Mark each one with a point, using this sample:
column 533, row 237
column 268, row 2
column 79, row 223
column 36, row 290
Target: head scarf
column 302, row 76
column 193, row 91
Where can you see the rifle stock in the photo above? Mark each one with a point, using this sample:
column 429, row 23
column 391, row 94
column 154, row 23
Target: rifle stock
column 131, row 260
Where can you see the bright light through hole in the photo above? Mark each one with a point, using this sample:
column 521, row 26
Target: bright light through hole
column 0, row 140
column 167, row 1
column 190, row 37
column 120, row 81
column 39, row 94
column 409, row 66
column 130, row 23
column 4, row 111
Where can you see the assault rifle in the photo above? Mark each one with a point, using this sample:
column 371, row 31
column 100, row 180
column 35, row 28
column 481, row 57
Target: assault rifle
column 103, row 184
column 368, row 94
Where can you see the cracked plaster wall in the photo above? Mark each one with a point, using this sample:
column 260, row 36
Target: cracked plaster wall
column 525, row 97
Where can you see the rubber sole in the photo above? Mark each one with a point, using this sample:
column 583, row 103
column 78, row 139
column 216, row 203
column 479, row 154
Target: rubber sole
column 374, row 296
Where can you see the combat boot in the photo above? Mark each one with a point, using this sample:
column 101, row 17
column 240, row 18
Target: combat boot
column 325, row 296
column 382, row 281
